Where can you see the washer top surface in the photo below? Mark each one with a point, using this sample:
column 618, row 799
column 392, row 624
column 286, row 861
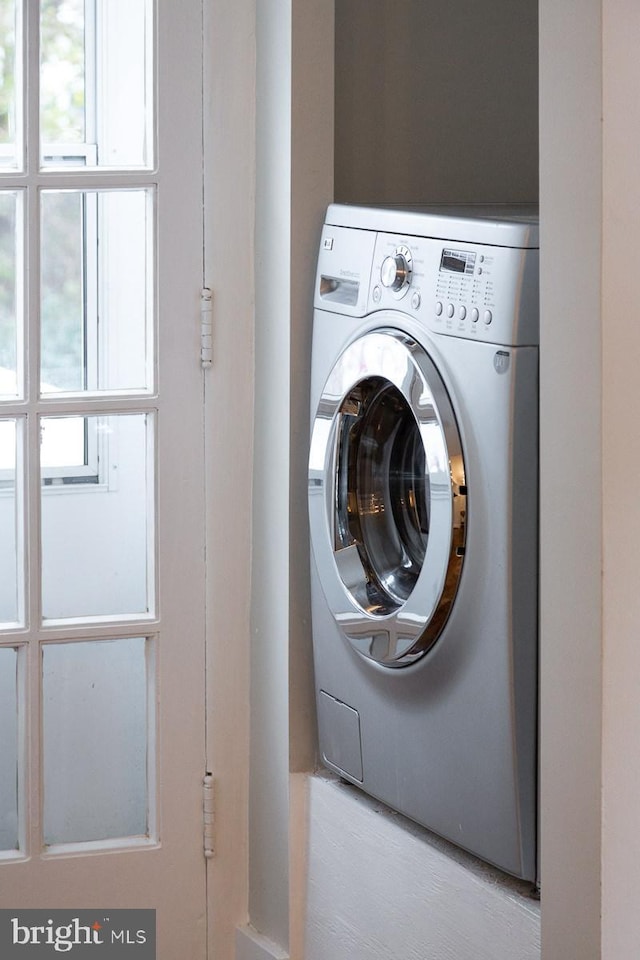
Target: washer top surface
column 500, row 225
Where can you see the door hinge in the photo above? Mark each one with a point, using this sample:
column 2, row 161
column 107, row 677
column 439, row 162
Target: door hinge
column 206, row 327
column 208, row 813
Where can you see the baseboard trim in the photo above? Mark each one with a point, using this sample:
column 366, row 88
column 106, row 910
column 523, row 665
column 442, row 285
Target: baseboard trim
column 251, row 945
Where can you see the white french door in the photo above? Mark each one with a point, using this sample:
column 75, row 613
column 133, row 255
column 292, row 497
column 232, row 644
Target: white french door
column 102, row 702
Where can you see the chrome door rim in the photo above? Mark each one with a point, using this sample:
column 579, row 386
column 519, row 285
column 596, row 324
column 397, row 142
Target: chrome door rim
column 391, row 633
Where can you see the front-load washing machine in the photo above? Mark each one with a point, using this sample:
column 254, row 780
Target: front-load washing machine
column 423, row 490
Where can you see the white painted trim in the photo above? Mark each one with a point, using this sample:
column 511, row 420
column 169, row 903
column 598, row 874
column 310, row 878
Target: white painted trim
column 298, row 862
column 269, row 774
column 229, row 203
column 570, row 477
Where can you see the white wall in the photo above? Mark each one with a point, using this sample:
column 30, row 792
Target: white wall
column 312, row 152
column 620, row 471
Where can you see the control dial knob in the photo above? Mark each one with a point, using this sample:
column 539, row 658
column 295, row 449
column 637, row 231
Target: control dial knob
column 395, row 272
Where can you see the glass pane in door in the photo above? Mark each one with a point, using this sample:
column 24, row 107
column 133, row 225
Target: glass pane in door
column 62, row 284
column 10, row 541
column 10, row 70
column 96, row 291
column 96, row 73
column 96, row 740
column 8, row 749
column 10, row 295
column 97, row 516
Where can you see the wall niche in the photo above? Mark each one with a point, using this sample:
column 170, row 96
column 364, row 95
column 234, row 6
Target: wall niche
column 436, row 102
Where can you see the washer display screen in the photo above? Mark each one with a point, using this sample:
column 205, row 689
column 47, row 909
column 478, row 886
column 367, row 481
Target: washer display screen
column 456, row 261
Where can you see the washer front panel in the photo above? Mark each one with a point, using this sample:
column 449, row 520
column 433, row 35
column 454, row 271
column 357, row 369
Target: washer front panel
column 387, row 497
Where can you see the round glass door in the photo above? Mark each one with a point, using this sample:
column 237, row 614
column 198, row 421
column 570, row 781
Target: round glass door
column 387, row 497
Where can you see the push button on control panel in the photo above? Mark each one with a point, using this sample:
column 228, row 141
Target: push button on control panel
column 462, row 312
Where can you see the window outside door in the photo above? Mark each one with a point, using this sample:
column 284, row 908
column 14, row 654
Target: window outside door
column 101, row 461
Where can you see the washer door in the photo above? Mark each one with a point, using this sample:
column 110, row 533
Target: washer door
column 387, row 497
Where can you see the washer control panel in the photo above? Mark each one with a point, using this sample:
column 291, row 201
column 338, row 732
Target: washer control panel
column 455, row 288
column 459, row 289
